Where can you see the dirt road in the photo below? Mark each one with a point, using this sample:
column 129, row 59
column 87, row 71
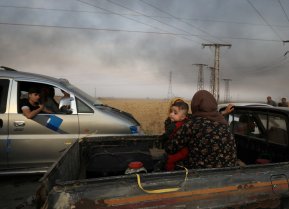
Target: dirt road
column 18, row 191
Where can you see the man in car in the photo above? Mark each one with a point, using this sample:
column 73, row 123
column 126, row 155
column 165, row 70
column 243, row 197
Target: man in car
column 31, row 107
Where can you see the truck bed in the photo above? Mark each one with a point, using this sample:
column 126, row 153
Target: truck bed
column 255, row 186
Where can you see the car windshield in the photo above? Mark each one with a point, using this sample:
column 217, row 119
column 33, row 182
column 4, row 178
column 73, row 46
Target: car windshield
column 83, row 94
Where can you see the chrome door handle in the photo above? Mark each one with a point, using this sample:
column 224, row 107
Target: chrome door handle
column 19, row 123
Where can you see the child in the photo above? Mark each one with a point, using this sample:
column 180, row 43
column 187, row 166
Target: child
column 178, row 116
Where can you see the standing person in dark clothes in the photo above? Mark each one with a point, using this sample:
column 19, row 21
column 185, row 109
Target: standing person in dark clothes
column 283, row 102
column 270, row 101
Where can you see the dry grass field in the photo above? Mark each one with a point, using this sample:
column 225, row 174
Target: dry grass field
column 151, row 113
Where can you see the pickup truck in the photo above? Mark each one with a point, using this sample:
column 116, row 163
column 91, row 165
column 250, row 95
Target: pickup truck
column 32, row 145
column 91, row 173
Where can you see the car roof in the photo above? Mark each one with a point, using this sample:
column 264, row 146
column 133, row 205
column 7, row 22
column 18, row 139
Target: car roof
column 257, row 107
column 15, row 74
column 241, row 104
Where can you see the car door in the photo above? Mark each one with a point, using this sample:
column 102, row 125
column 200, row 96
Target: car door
column 277, row 137
column 249, row 135
column 4, row 137
column 34, row 144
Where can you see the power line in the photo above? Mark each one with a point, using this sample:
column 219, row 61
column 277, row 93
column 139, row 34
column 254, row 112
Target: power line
column 270, row 67
column 257, row 11
column 249, row 39
column 231, row 22
column 120, row 5
column 174, row 17
column 120, row 15
column 109, row 12
column 127, row 14
column 128, row 17
column 283, row 10
column 93, row 29
column 119, row 30
column 128, row 31
column 51, row 9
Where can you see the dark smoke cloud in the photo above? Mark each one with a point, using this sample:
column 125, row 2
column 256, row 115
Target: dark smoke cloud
column 118, row 56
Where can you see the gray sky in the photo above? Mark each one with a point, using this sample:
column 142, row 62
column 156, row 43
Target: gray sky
column 127, row 48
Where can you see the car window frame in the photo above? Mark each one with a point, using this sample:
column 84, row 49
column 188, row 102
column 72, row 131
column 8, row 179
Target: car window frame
column 78, row 100
column 72, row 96
column 4, row 96
column 231, row 118
column 267, row 113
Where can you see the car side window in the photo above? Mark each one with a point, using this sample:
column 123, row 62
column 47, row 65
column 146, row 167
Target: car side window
column 4, row 86
column 82, row 107
column 50, row 96
column 277, row 130
column 244, row 123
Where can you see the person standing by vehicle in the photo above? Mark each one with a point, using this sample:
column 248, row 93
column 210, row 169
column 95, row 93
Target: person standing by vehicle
column 206, row 134
column 270, row 101
column 30, row 107
column 283, row 102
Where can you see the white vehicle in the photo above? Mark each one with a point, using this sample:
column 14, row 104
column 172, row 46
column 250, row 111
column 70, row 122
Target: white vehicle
column 34, row 144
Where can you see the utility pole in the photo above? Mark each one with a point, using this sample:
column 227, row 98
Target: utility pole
column 170, row 90
column 227, row 90
column 200, row 76
column 216, row 89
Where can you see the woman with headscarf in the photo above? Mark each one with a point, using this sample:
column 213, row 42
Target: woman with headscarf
column 206, row 134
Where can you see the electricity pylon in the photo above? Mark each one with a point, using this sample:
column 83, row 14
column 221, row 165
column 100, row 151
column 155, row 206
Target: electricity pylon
column 200, row 85
column 227, row 90
column 170, row 90
column 212, row 77
column 216, row 89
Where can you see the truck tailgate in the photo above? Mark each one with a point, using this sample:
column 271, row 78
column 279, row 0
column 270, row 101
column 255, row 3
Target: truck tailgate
column 253, row 186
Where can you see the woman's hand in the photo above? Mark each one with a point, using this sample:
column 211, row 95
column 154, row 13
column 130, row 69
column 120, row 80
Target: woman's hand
column 228, row 110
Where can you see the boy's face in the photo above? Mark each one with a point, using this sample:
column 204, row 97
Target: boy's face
column 177, row 114
column 34, row 97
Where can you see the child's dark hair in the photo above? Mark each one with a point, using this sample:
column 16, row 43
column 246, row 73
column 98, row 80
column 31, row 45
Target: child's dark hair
column 182, row 105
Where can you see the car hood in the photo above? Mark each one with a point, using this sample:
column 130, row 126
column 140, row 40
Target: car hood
column 120, row 113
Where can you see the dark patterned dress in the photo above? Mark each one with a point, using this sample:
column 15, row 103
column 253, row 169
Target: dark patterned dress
column 211, row 144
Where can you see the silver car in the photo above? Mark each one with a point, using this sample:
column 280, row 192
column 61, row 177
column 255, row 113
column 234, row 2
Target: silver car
column 32, row 145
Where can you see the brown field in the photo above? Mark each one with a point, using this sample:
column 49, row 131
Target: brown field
column 151, row 113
